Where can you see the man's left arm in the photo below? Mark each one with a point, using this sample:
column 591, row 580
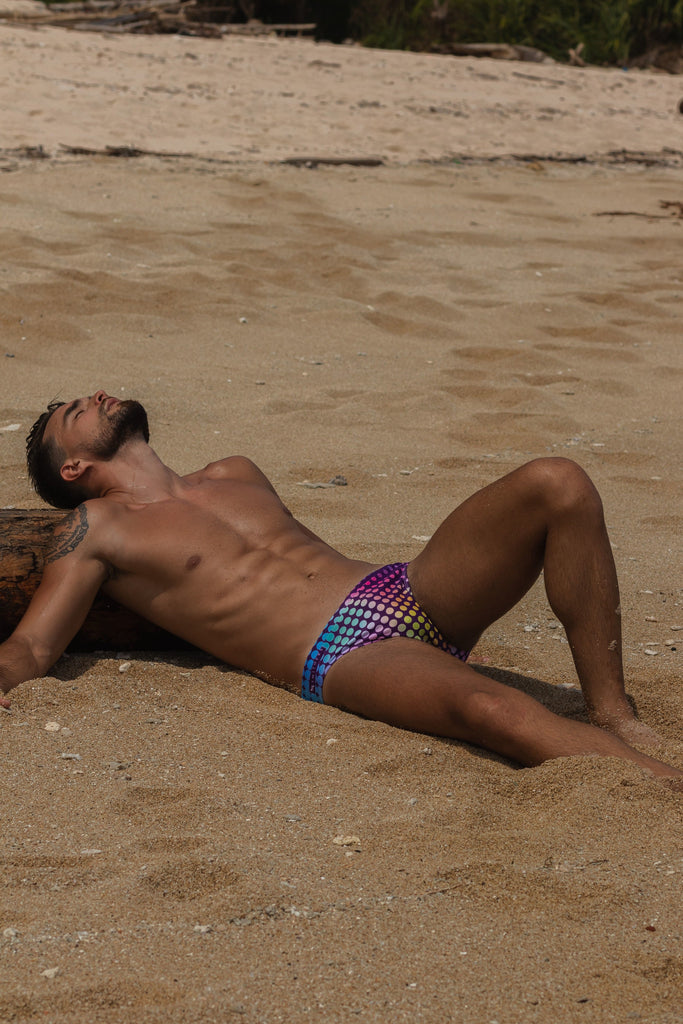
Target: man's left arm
column 73, row 574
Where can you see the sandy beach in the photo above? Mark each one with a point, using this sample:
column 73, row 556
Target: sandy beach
column 182, row 842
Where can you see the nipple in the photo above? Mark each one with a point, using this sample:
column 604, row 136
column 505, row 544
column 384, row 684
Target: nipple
column 193, row 561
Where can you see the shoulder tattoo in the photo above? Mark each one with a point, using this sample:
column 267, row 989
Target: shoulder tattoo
column 68, row 535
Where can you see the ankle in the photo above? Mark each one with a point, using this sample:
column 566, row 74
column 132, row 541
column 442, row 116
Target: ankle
column 614, row 714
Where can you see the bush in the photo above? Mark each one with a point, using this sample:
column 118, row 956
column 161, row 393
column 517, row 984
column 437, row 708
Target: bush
column 612, row 31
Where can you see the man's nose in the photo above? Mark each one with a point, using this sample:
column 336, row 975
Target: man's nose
column 99, row 397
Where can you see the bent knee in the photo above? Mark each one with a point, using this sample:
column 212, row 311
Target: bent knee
column 562, row 485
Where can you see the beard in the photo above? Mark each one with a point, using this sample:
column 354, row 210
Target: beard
column 127, row 421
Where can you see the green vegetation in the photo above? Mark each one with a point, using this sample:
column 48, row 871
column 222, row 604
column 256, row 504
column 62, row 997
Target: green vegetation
column 612, row 31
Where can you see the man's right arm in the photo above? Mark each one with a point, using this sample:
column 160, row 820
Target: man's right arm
column 72, row 575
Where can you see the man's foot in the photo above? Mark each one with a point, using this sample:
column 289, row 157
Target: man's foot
column 626, row 726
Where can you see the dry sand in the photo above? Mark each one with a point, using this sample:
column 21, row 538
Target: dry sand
column 168, row 847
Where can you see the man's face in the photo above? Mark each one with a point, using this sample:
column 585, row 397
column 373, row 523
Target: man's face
column 97, row 426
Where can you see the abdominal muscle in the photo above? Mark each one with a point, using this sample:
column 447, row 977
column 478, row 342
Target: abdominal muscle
column 284, row 610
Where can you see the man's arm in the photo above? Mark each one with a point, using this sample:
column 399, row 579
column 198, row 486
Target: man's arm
column 72, row 575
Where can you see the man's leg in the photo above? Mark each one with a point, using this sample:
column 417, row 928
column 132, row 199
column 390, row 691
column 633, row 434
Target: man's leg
column 546, row 516
column 412, row 685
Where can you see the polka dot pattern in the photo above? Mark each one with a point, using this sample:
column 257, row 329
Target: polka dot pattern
column 380, row 607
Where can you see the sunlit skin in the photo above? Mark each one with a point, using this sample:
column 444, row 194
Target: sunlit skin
column 216, row 558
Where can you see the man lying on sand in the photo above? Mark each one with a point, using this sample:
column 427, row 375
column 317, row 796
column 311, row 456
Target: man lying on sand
column 216, row 558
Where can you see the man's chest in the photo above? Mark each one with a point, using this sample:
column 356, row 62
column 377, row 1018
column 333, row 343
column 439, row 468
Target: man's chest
column 167, row 539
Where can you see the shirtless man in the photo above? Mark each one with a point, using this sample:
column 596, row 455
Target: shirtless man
column 216, row 558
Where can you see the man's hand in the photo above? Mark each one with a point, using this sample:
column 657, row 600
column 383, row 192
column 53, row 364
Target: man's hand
column 17, row 663
column 5, row 685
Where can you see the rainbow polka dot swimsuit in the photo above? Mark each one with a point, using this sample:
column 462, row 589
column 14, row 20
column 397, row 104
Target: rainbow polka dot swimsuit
column 380, row 607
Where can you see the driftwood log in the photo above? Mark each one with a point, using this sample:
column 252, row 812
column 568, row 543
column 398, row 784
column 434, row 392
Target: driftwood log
column 209, row 18
column 496, row 51
column 24, row 536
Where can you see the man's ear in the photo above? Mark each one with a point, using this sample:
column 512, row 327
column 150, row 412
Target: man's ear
column 73, row 469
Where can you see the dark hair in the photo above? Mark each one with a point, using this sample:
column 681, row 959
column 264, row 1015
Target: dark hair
column 44, row 460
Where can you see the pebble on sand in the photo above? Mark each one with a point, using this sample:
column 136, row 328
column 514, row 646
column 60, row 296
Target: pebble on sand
column 346, row 841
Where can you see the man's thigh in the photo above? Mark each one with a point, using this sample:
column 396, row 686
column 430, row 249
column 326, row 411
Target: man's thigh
column 412, row 685
column 483, row 558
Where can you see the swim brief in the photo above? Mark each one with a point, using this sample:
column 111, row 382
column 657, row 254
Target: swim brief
column 380, row 607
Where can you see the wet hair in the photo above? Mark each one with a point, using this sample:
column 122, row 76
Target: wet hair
column 45, row 460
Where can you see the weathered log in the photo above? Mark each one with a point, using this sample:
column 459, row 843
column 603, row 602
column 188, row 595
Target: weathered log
column 264, row 28
column 187, row 17
column 497, row 51
column 24, row 536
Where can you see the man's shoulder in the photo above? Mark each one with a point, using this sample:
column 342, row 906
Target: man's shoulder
column 81, row 531
column 234, row 467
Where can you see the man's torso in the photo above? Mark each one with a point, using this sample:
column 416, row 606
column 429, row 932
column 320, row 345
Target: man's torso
column 225, row 566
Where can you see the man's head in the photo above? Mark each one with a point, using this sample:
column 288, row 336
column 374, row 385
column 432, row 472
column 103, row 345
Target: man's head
column 68, row 439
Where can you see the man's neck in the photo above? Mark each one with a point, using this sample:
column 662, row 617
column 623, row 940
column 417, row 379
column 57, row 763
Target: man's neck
column 136, row 475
